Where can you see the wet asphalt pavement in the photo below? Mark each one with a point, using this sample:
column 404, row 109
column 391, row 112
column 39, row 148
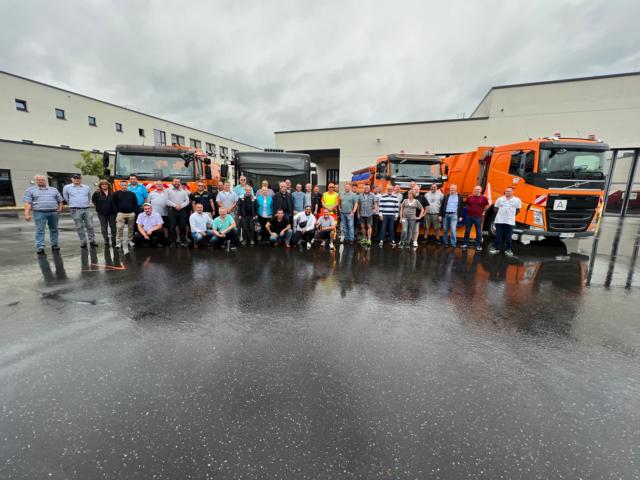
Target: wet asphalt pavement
column 267, row 363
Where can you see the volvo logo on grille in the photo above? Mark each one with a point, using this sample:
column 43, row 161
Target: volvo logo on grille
column 577, row 184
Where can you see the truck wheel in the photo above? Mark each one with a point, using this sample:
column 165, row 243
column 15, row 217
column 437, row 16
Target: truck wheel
column 490, row 226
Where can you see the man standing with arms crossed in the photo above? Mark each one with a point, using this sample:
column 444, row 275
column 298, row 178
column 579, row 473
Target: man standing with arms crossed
column 78, row 197
column 46, row 203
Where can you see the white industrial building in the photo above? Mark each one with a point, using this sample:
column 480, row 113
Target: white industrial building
column 43, row 129
column 608, row 106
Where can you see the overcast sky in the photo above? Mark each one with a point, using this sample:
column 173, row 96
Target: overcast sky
column 244, row 69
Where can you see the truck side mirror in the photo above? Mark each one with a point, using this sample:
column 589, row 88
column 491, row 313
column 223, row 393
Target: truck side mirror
column 105, row 159
column 224, row 170
column 445, row 177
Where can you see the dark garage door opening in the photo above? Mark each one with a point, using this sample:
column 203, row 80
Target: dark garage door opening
column 327, row 164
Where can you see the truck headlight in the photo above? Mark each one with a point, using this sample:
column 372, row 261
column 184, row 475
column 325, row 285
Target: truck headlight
column 538, row 217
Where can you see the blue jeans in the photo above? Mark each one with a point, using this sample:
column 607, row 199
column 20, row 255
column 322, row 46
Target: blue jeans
column 449, row 225
column 41, row 219
column 505, row 231
column 346, row 225
column 83, row 218
column 388, row 226
column 473, row 222
column 198, row 237
column 276, row 239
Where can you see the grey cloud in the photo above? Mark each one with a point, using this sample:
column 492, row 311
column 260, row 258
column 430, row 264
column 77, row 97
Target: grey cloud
column 245, row 69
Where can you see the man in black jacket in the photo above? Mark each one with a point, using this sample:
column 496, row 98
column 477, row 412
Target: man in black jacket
column 282, row 200
column 450, row 215
column 247, row 216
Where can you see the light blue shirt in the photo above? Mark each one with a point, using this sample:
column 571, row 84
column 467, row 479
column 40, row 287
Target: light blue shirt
column 77, row 196
column 239, row 190
column 452, row 204
column 140, row 191
column 299, row 201
column 46, row 198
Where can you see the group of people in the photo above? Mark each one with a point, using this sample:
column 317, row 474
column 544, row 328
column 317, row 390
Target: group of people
column 290, row 216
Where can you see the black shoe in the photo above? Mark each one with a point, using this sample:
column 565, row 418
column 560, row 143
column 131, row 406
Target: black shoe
column 83, row 245
column 40, row 251
column 93, row 244
column 55, row 248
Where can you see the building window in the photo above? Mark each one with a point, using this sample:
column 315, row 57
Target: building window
column 195, row 143
column 177, row 139
column 224, row 152
column 141, row 132
column 93, row 123
column 333, row 176
column 60, row 114
column 21, row 105
column 159, row 138
column 118, row 125
column 234, row 153
column 211, row 149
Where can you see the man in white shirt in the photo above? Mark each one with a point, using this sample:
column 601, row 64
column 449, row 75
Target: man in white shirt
column 177, row 203
column 304, row 225
column 507, row 208
column 201, row 225
column 149, row 227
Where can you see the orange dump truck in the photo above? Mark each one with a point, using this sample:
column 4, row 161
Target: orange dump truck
column 400, row 169
column 164, row 163
column 560, row 182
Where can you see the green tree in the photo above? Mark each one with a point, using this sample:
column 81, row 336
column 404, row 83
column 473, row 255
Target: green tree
column 90, row 164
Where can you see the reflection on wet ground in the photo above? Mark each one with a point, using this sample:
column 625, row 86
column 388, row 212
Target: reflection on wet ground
column 359, row 363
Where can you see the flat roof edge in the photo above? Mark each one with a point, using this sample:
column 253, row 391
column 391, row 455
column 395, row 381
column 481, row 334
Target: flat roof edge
column 468, row 119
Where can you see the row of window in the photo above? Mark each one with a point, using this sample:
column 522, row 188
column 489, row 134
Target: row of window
column 159, row 137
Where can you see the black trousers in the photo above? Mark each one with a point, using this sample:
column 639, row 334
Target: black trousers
column 264, row 235
column 247, row 229
column 108, row 222
column 304, row 236
column 156, row 237
column 178, row 218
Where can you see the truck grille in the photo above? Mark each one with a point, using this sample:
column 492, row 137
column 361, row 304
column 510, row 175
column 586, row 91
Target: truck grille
column 577, row 216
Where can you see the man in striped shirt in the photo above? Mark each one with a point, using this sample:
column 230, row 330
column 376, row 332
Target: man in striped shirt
column 388, row 209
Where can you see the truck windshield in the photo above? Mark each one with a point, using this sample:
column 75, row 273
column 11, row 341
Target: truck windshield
column 415, row 170
column 149, row 167
column 572, row 163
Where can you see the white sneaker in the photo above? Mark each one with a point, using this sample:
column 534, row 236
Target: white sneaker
column 131, row 244
column 119, row 245
column 324, row 242
column 508, row 253
column 415, row 244
column 331, row 246
column 381, row 243
column 308, row 245
column 493, row 251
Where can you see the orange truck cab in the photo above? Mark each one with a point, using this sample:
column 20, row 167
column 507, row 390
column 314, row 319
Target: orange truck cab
column 164, row 163
column 560, row 182
column 400, row 169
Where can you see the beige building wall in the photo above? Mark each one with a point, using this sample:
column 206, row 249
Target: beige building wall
column 40, row 126
column 607, row 106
